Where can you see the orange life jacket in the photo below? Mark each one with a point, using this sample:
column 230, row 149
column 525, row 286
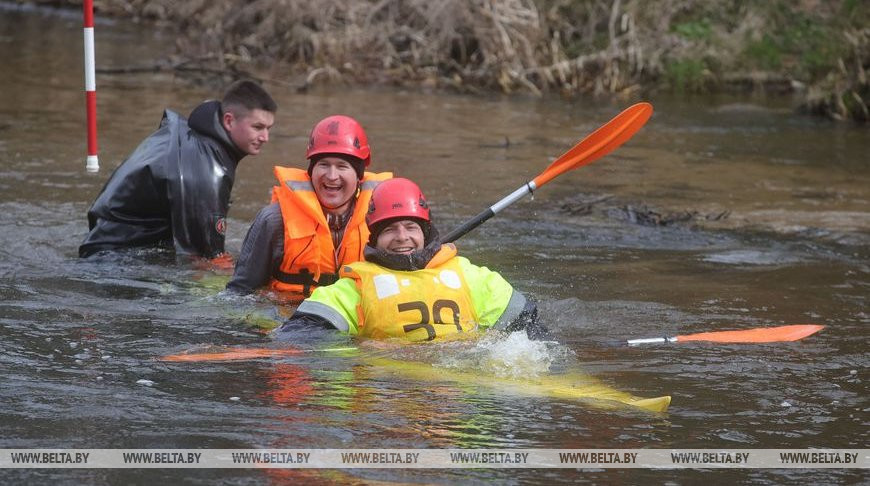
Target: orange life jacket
column 310, row 258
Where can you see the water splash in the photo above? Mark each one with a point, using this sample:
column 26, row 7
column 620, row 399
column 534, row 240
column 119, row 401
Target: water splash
column 507, row 355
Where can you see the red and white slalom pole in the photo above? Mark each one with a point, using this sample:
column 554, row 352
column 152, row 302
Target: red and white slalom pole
column 93, row 164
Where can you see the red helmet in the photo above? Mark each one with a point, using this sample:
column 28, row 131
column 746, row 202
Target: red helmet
column 339, row 134
column 397, row 198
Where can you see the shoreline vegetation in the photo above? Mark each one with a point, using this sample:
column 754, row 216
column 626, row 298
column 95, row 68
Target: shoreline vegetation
column 817, row 51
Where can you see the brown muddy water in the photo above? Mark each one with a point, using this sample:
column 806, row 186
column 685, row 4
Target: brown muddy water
column 720, row 214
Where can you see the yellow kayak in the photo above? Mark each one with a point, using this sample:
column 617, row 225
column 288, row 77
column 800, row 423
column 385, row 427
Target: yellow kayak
column 570, row 386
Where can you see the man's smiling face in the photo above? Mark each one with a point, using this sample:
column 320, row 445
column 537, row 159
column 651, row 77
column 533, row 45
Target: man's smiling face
column 335, row 183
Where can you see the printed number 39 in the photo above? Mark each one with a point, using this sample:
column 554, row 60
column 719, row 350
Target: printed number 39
column 425, row 322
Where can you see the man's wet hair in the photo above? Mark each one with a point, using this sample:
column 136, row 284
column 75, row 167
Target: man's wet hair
column 247, row 95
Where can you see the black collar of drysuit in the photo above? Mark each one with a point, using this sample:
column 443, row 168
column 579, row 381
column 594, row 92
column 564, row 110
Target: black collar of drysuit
column 206, row 119
column 407, row 263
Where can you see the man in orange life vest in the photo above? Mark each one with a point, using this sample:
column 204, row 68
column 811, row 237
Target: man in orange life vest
column 316, row 221
column 411, row 285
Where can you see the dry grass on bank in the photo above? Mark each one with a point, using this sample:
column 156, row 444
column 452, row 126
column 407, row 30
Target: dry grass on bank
column 821, row 49
column 507, row 45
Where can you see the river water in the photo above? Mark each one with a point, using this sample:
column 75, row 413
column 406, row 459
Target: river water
column 721, row 213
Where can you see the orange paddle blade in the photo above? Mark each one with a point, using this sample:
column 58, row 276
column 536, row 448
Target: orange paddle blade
column 600, row 142
column 758, row 335
column 231, row 355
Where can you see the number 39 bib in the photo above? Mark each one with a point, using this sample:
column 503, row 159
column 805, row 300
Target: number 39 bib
column 418, row 306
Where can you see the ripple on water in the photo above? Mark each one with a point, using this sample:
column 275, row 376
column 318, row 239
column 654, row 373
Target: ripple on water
column 752, row 257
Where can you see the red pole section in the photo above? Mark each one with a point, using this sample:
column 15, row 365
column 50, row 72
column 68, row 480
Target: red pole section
column 92, row 164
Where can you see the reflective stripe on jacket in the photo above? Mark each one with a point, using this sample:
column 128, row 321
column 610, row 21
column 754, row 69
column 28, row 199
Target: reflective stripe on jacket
column 310, row 257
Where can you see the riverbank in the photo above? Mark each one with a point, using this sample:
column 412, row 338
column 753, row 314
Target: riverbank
column 817, row 52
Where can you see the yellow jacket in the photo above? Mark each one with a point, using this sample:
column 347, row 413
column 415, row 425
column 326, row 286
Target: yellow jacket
column 449, row 296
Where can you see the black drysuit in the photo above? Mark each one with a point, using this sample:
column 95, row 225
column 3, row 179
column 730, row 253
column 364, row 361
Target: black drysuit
column 174, row 189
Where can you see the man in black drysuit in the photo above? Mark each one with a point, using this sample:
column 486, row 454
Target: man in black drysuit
column 174, row 189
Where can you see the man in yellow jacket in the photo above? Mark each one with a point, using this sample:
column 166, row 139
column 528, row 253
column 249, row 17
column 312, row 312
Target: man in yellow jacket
column 411, row 286
column 316, row 221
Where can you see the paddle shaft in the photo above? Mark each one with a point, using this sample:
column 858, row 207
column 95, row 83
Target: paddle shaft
column 489, row 212
column 659, row 340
